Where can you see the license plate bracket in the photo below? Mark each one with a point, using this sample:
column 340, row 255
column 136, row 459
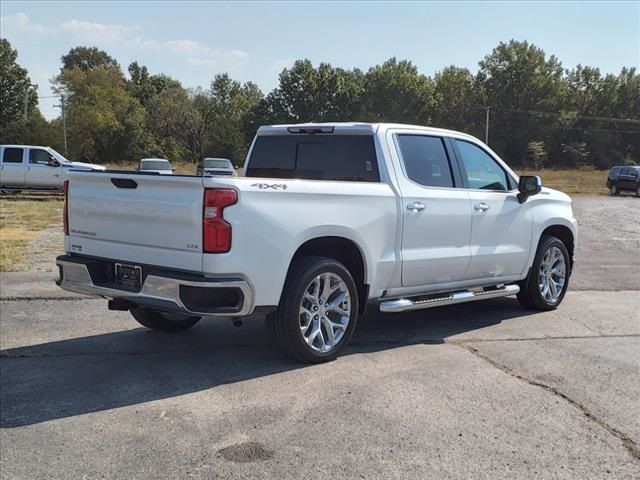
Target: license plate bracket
column 128, row 276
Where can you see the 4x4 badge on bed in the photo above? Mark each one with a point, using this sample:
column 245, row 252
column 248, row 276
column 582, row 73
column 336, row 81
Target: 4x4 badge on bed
column 275, row 186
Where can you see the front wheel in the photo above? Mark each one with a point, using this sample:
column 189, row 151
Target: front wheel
column 165, row 322
column 614, row 190
column 548, row 278
column 638, row 191
column 318, row 310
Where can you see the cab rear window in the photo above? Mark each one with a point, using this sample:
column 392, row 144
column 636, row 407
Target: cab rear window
column 315, row 157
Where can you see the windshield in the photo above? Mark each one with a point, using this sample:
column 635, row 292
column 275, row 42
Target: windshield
column 58, row 156
column 155, row 165
column 217, row 163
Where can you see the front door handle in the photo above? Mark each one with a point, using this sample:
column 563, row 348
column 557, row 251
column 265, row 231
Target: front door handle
column 416, row 206
column 481, row 207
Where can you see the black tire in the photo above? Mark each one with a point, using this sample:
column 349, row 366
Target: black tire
column 614, row 190
column 284, row 324
column 530, row 296
column 638, row 191
column 164, row 322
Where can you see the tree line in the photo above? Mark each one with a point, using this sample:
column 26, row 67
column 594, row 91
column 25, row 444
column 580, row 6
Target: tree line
column 541, row 115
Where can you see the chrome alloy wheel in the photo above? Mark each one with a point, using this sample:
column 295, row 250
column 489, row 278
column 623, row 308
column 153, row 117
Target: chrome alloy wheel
column 325, row 311
column 552, row 275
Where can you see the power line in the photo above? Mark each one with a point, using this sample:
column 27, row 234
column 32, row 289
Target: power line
column 577, row 117
column 596, row 130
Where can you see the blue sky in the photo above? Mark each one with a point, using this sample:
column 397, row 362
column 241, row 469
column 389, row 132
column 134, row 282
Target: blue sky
column 192, row 41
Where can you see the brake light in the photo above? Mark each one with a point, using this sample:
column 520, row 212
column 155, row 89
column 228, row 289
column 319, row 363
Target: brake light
column 65, row 210
column 216, row 232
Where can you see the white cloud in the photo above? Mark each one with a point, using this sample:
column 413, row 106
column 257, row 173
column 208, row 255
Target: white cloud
column 197, row 54
column 96, row 31
column 128, row 36
column 20, row 22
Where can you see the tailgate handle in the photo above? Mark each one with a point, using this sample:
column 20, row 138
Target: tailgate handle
column 124, row 183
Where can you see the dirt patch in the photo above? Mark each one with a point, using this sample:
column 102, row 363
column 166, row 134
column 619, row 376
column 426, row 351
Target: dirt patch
column 41, row 255
column 25, row 223
column 246, row 452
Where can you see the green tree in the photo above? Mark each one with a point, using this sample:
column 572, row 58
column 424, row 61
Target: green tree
column 537, row 153
column 104, row 122
column 322, row 94
column 180, row 120
column 231, row 102
column 14, row 85
column 144, row 86
column 523, row 87
column 458, row 101
column 87, row 58
column 396, row 92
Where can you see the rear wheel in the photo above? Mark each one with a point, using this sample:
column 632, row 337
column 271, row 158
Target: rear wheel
column 614, row 190
column 638, row 191
column 318, row 311
column 548, row 278
column 165, row 322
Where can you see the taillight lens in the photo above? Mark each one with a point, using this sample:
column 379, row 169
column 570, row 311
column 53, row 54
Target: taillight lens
column 65, row 211
column 216, row 232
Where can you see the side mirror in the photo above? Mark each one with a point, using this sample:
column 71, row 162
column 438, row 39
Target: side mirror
column 527, row 186
column 173, row 169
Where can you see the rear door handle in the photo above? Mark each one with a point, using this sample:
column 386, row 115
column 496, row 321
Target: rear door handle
column 481, row 207
column 416, row 206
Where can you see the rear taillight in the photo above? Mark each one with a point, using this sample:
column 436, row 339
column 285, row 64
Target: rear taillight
column 216, row 233
column 65, row 211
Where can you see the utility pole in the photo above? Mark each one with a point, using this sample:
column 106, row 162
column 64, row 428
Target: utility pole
column 64, row 121
column 486, row 124
column 26, row 100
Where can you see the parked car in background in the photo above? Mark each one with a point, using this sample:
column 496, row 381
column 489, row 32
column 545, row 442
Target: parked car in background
column 30, row 167
column 623, row 179
column 156, row 165
column 216, row 166
column 327, row 219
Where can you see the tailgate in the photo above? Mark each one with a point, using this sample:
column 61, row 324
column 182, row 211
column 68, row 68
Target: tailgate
column 144, row 219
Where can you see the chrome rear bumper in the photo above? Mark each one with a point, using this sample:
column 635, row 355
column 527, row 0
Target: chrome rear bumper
column 161, row 291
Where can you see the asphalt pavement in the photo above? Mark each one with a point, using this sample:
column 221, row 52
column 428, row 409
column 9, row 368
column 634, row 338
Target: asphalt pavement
column 482, row 390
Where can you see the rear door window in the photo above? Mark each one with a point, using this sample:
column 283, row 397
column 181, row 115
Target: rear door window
column 12, row 155
column 315, row 157
column 425, row 160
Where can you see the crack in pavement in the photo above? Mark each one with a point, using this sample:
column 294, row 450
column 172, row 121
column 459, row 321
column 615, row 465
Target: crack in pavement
column 537, row 339
column 582, row 324
column 627, row 442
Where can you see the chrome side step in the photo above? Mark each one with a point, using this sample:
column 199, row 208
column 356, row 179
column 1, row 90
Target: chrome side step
column 448, row 298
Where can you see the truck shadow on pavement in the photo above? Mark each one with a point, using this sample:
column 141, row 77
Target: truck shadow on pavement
column 77, row 376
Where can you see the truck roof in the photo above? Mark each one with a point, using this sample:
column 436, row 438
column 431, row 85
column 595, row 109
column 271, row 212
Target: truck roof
column 352, row 128
column 24, row 146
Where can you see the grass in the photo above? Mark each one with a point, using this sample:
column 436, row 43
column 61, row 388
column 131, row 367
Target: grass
column 580, row 182
column 20, row 220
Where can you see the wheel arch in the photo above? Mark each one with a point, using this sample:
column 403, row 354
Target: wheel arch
column 345, row 251
column 566, row 236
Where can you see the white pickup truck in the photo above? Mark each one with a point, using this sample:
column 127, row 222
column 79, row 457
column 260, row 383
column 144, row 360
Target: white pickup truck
column 32, row 167
column 326, row 219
